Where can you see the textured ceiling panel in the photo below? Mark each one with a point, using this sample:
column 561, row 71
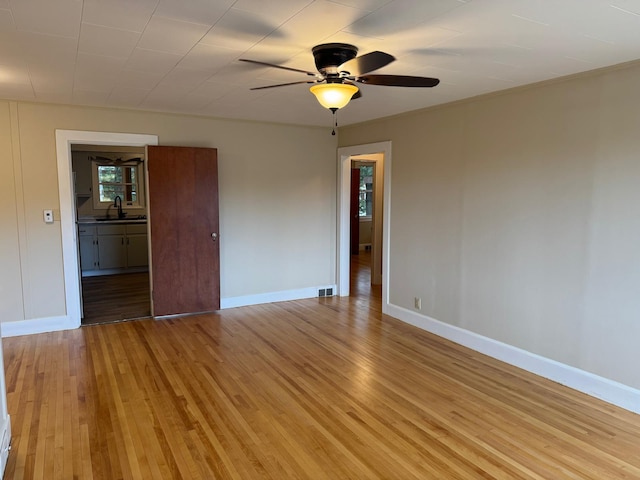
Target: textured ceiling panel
column 182, row 56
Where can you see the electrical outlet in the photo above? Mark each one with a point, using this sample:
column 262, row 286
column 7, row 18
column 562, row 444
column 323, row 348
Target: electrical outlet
column 417, row 303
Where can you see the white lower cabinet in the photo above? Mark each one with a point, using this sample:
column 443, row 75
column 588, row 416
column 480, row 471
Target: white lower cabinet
column 88, row 248
column 137, row 250
column 111, row 252
column 112, row 248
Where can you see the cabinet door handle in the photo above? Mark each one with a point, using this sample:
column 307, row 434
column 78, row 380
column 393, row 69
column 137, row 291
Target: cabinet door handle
column 214, row 236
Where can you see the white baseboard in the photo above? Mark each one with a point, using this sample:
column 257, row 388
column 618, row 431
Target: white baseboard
column 5, row 441
column 608, row 390
column 271, row 297
column 38, row 325
column 54, row 324
column 599, row 387
column 113, row 271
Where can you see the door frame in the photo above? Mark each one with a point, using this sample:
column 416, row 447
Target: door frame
column 344, row 217
column 69, row 233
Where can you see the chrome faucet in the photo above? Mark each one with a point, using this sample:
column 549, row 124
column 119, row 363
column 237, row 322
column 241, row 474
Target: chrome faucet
column 118, row 204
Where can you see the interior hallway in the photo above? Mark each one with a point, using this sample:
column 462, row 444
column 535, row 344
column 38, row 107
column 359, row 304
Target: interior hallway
column 360, row 286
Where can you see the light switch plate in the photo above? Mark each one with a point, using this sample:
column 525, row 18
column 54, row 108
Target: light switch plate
column 48, row 216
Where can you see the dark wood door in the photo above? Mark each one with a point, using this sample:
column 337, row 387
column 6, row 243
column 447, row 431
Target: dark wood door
column 183, row 223
column 355, row 211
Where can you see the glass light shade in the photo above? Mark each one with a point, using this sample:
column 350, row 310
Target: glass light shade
column 334, row 95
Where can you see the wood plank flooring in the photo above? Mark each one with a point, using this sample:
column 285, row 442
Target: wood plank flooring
column 313, row 389
column 114, row 298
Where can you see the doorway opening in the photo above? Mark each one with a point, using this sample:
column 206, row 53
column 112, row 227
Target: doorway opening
column 65, row 139
column 354, row 269
column 111, row 216
column 363, row 209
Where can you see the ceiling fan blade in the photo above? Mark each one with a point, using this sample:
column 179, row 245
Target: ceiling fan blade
column 366, row 63
column 398, row 80
column 265, row 64
column 283, row 84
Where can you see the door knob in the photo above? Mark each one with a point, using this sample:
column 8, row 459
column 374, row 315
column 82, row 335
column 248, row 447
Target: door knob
column 214, row 235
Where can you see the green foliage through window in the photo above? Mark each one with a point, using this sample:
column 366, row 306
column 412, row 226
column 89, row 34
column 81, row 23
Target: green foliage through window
column 366, row 191
column 114, row 180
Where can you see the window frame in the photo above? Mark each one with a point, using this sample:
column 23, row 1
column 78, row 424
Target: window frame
column 139, row 203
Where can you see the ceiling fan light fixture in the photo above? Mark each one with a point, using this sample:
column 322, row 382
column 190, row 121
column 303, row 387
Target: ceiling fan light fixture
column 334, row 95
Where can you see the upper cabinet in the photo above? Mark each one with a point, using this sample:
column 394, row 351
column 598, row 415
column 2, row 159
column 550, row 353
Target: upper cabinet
column 82, row 173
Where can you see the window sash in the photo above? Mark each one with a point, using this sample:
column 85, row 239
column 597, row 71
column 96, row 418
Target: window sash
column 117, row 180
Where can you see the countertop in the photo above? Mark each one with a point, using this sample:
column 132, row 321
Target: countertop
column 115, row 221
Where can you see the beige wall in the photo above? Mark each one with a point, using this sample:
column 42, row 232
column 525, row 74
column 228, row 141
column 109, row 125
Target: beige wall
column 11, row 298
column 517, row 217
column 364, row 234
column 277, row 200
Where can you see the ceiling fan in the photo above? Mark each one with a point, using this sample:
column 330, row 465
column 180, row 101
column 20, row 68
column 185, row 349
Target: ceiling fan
column 113, row 160
column 339, row 67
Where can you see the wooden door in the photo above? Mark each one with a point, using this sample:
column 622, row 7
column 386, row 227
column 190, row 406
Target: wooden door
column 355, row 211
column 183, row 224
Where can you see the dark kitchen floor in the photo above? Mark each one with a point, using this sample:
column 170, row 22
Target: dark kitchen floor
column 114, row 298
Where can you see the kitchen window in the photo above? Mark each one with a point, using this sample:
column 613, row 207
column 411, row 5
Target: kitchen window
column 112, row 178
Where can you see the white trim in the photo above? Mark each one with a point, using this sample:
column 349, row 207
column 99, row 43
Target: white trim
column 5, row 419
column 271, row 297
column 5, row 442
column 113, row 271
column 344, row 225
column 54, row 324
column 599, row 387
column 64, row 140
column 38, row 325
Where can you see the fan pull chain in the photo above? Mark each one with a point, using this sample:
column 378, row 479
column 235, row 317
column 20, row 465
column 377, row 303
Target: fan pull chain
column 335, row 118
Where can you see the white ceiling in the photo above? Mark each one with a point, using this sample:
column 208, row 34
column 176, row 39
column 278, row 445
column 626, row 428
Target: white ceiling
column 182, row 55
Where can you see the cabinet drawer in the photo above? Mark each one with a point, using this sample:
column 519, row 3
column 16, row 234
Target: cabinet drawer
column 86, row 230
column 137, row 228
column 111, row 229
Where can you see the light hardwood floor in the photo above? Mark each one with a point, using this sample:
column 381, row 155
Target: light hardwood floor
column 312, row 389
